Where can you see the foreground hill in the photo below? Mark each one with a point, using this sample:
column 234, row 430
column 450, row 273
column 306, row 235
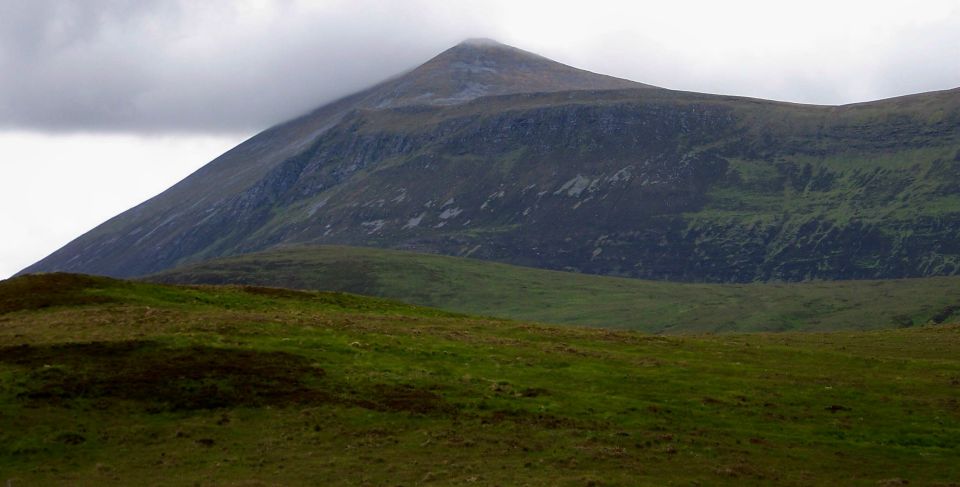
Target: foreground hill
column 495, row 153
column 478, row 287
column 107, row 382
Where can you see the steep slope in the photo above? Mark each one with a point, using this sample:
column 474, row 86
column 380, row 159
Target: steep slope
column 487, row 288
column 477, row 153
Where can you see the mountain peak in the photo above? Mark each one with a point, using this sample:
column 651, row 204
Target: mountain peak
column 488, row 53
column 483, row 67
column 480, row 41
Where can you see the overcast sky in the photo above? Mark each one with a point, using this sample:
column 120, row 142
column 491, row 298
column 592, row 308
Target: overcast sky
column 104, row 103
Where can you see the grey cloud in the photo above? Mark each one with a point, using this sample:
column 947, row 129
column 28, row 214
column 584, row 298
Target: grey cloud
column 162, row 66
column 191, row 66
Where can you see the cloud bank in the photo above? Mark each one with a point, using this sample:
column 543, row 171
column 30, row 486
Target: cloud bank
column 220, row 66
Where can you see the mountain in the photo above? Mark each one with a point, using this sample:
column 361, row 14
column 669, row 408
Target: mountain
column 491, row 152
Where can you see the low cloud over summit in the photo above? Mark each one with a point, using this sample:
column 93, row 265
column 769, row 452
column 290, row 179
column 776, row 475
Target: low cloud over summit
column 222, row 66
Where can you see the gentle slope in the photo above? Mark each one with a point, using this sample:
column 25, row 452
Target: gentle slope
column 479, row 287
column 117, row 383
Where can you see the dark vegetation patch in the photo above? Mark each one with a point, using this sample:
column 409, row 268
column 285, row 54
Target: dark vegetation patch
column 194, row 378
column 944, row 314
column 405, row 398
column 37, row 291
column 541, row 420
column 71, row 438
column 163, row 378
column 207, row 442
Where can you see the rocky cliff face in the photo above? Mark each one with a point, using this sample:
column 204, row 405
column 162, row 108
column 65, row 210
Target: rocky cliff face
column 554, row 167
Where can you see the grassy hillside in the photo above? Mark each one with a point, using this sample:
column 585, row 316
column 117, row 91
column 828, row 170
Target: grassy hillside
column 479, row 287
column 107, row 382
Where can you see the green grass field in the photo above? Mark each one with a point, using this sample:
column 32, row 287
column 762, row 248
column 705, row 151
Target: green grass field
column 492, row 289
column 108, row 382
